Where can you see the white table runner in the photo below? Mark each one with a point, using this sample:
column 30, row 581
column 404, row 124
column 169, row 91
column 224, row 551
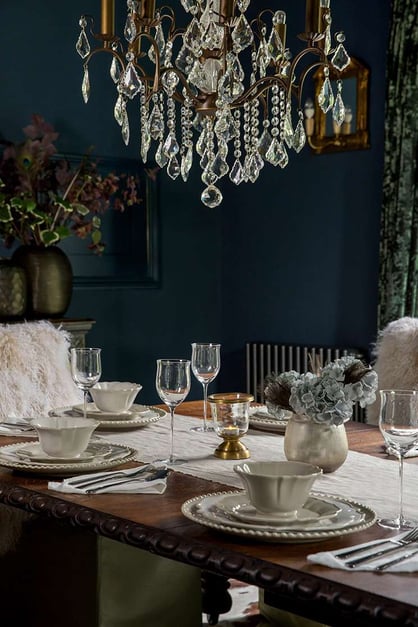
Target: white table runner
column 362, row 477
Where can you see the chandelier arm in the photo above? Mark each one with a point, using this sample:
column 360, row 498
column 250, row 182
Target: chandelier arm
column 303, row 76
column 323, row 61
column 114, row 53
column 258, row 89
column 258, row 20
column 157, row 73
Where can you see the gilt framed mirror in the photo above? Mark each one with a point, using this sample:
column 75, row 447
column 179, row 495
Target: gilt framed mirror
column 323, row 134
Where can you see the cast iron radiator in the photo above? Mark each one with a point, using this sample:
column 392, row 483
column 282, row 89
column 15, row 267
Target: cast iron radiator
column 264, row 358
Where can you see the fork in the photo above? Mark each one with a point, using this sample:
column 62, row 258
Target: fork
column 410, row 538
column 350, row 552
column 161, row 473
column 116, row 474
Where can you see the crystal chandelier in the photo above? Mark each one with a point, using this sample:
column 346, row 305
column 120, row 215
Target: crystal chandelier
column 224, row 87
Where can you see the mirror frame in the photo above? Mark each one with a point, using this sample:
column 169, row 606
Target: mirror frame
column 358, row 140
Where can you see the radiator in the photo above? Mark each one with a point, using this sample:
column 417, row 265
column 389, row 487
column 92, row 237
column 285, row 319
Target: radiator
column 263, row 358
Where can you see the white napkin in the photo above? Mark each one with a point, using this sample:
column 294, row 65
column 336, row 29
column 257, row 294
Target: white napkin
column 137, row 485
column 13, row 425
column 330, row 558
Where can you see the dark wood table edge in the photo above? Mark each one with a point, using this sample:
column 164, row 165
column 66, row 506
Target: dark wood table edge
column 304, row 594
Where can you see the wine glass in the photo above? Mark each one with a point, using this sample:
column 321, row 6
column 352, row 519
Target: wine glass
column 398, row 422
column 86, row 370
column 206, row 362
column 172, row 382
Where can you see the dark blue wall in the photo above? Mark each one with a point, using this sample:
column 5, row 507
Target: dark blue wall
column 293, row 258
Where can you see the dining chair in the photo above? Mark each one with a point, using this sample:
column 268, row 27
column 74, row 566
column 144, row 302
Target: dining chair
column 396, row 360
column 66, row 576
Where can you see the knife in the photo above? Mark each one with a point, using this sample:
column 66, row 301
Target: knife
column 398, row 560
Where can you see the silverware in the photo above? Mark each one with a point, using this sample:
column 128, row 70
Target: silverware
column 100, row 477
column 348, row 553
column 410, row 538
column 105, row 485
column 398, row 560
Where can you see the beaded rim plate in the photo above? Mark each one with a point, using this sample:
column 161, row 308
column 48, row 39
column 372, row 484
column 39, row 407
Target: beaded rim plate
column 191, row 510
column 119, row 455
column 155, row 414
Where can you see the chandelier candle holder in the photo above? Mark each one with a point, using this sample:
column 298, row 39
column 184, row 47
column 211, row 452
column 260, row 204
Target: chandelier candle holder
column 195, row 99
column 231, row 421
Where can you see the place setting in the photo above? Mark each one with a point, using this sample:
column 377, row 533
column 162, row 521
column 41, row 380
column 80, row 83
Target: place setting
column 269, row 417
column 277, row 505
column 113, row 404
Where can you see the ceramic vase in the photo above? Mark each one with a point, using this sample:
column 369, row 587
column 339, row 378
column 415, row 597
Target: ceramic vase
column 325, row 446
column 49, row 280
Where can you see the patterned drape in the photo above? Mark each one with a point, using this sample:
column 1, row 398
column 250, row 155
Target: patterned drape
column 398, row 290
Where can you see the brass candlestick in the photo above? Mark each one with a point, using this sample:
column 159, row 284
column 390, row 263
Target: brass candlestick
column 230, row 419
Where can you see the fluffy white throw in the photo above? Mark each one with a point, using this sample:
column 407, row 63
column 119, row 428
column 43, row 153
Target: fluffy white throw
column 34, row 377
column 34, row 369
column 397, row 360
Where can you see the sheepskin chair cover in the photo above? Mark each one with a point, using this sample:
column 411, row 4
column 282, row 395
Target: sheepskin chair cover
column 35, row 373
column 396, row 353
column 34, row 377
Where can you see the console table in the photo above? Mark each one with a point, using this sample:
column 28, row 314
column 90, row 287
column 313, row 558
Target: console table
column 78, row 329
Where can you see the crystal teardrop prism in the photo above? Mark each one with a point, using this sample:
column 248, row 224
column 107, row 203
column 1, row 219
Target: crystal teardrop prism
column 237, row 173
column 338, row 110
column 212, row 38
column 173, row 168
column 288, row 131
column 145, row 143
column 242, row 35
column 208, row 177
column 243, row 5
column 326, row 96
column 119, row 110
column 125, row 128
column 190, row 6
column 211, row 196
column 264, row 142
column 160, row 41
column 129, row 83
column 160, row 156
column 130, row 31
column 171, row 147
column 340, row 59
column 85, row 86
column 82, row 46
column 220, row 166
column 156, row 123
column 299, row 136
column 115, row 70
column 186, row 163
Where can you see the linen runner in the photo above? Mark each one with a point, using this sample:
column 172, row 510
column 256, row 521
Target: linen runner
column 367, row 479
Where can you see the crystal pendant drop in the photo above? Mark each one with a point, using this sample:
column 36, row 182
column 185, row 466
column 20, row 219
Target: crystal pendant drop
column 85, row 86
column 264, row 142
column 208, row 177
column 284, row 158
column 125, row 128
column 201, row 144
column 190, row 6
column 129, row 83
column 229, row 87
column 299, row 136
column 338, row 110
column 181, row 60
column 173, row 168
column 211, row 196
column 160, row 156
column 242, row 35
column 130, row 29
column 160, row 41
column 272, row 154
column 340, row 59
column 145, row 143
column 220, row 166
column 193, row 36
column 251, row 168
column 115, row 70
column 119, row 110
column 186, row 163
column 171, row 147
column 82, row 46
column 326, row 96
column 288, row 131
column 243, row 5
column 275, row 46
column 156, row 123
column 237, row 173
column 212, row 38
column 327, row 40
column 169, row 81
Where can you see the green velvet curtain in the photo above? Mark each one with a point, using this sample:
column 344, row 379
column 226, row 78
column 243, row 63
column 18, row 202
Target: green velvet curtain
column 398, row 290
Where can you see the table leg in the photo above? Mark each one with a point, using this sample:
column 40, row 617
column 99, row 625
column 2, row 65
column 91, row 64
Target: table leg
column 216, row 599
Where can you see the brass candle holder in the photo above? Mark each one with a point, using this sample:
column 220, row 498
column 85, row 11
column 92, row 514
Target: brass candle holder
column 230, row 420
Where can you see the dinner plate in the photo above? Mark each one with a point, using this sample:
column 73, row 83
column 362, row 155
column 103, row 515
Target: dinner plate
column 263, row 421
column 353, row 517
column 34, row 452
column 94, row 412
column 153, row 414
column 313, row 510
column 119, row 454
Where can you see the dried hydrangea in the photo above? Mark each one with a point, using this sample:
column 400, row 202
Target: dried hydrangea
column 328, row 396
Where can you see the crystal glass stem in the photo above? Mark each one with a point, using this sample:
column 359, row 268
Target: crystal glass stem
column 171, row 459
column 205, row 405
column 401, row 514
column 85, row 392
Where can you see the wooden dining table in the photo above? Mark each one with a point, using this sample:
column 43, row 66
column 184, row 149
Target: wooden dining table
column 155, row 523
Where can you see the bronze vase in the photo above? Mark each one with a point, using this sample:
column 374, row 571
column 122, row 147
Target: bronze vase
column 49, row 279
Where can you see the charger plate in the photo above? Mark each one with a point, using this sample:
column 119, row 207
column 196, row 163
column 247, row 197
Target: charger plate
column 353, row 517
column 119, row 454
column 154, row 414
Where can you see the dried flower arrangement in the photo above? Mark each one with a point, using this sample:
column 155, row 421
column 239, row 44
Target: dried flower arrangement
column 45, row 199
column 328, row 396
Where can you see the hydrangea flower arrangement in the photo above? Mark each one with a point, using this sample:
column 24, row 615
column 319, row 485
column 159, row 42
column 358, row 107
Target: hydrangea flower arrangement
column 326, row 397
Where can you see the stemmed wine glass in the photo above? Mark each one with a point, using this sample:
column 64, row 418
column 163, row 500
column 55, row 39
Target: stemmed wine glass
column 172, row 382
column 206, row 363
column 86, row 370
column 398, row 422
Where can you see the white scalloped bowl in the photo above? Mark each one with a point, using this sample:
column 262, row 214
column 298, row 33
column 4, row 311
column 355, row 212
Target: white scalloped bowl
column 64, row 436
column 115, row 396
column 279, row 488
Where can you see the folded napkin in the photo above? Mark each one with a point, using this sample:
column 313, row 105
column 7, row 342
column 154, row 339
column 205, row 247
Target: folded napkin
column 409, row 565
column 145, row 480
column 16, row 426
